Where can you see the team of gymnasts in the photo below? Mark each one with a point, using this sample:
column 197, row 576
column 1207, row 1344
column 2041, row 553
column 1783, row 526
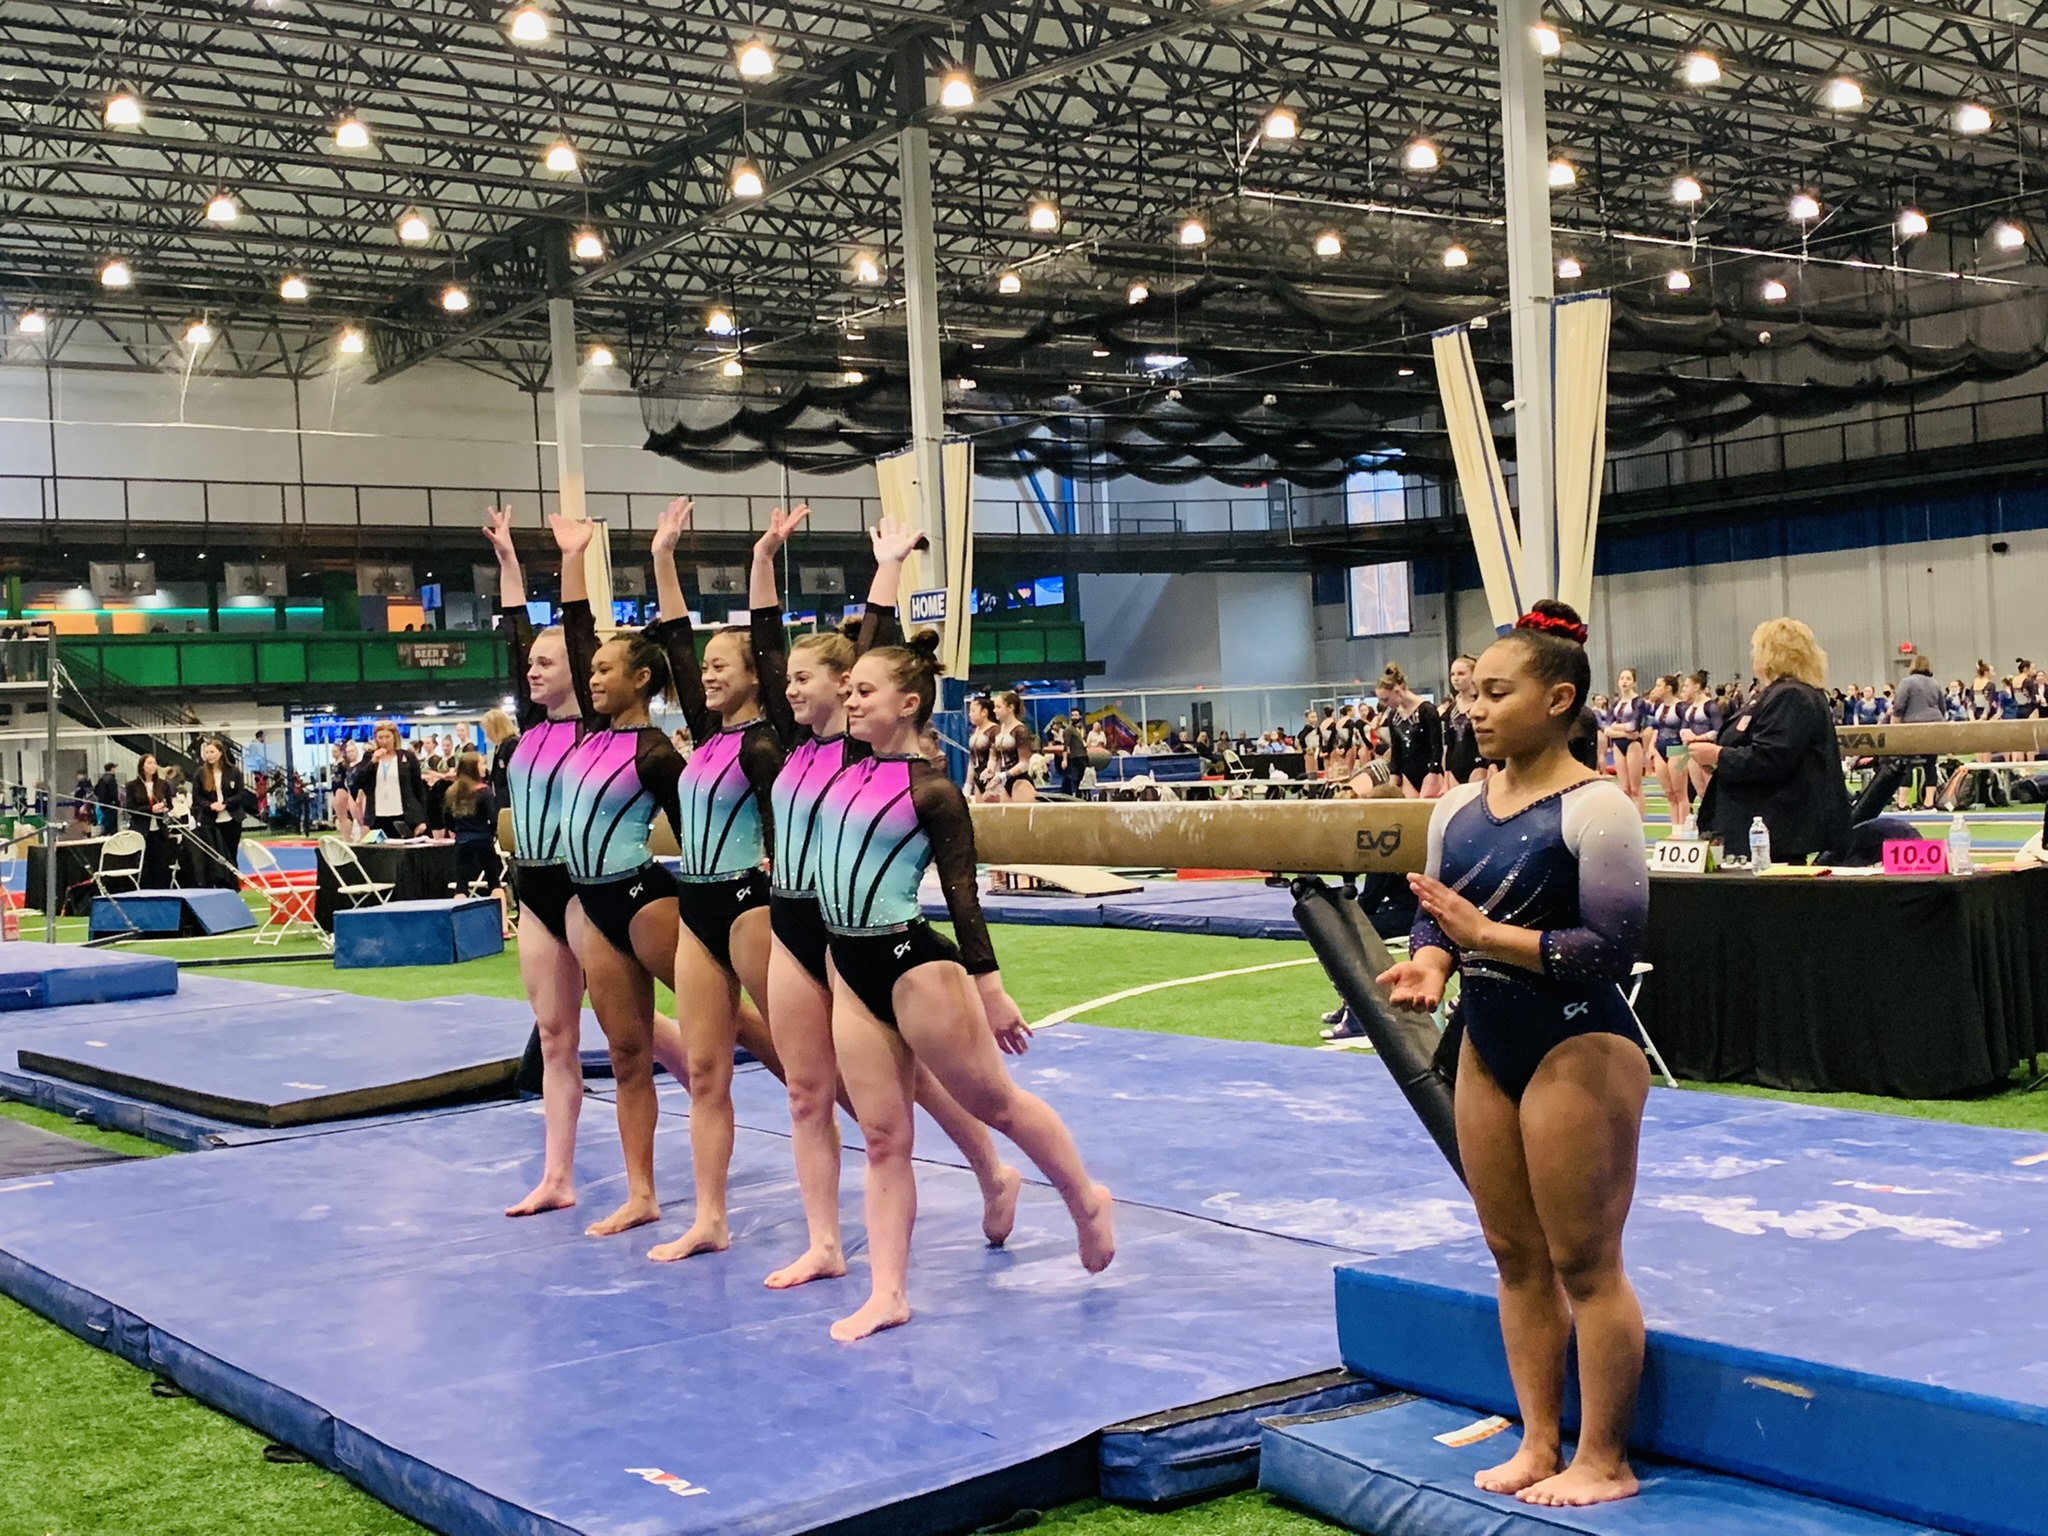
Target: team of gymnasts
column 806, row 816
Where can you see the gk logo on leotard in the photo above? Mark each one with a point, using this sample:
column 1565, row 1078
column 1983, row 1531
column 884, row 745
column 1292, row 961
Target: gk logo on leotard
column 1573, row 1010
column 1384, row 843
column 681, row 1487
column 638, row 887
column 903, row 949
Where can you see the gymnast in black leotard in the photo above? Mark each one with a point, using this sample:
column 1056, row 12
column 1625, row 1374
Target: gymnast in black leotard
column 1537, row 890
column 902, row 994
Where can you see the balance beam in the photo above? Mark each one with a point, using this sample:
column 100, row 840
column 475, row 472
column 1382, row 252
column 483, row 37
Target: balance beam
column 1956, row 738
column 1292, row 837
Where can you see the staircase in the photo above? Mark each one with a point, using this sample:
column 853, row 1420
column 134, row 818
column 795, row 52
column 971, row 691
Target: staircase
column 136, row 722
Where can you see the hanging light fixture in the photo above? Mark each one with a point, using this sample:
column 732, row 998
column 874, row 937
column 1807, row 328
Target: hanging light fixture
column 1912, row 224
column 1043, row 216
column 350, row 341
column 1686, row 191
column 756, row 59
column 853, row 376
column 719, row 322
column 1329, row 243
column 1010, row 282
column 1804, row 208
column 733, row 367
column 413, row 227
column 746, row 179
column 1419, row 155
column 956, row 91
column 116, row 274
column 530, row 24
column 2008, row 236
column 1678, row 280
column 588, row 245
column 866, row 269
column 1973, row 118
column 1562, row 174
column 293, row 289
column 32, row 323
column 600, row 356
column 1193, row 232
column 1569, row 269
column 1775, row 292
column 1455, row 257
column 455, row 298
column 1137, row 293
column 1700, row 69
column 1548, row 44
column 561, row 157
column 1842, row 94
column 351, row 133
column 198, row 335
column 123, row 110
column 222, row 209
column 1281, row 124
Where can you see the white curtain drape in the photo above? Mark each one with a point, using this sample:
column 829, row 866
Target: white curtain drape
column 1579, row 328
column 1494, row 535
column 896, row 475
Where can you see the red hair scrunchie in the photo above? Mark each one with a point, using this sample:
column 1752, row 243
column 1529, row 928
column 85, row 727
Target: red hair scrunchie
column 1551, row 624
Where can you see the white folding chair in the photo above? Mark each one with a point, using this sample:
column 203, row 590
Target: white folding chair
column 290, row 900
column 120, row 860
column 351, row 881
column 1234, row 766
column 1635, row 987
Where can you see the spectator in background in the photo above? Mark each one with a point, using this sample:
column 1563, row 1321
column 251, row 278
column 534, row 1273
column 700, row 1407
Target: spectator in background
column 390, row 786
column 106, row 792
column 501, row 736
column 471, row 815
column 82, row 808
column 256, row 758
column 219, row 800
column 147, row 801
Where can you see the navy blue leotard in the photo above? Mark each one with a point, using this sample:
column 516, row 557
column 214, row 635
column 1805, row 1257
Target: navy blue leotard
column 1572, row 865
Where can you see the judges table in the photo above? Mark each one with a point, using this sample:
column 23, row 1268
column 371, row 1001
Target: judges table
column 416, row 871
column 77, row 859
column 1881, row 984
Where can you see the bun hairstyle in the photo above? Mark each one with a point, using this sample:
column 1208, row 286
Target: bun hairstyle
column 914, row 667
column 1393, row 676
column 643, row 654
column 1555, row 637
column 834, row 647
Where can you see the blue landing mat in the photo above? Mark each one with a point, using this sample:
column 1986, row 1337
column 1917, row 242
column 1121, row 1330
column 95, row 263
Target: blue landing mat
column 321, row 1056
column 1228, row 909
column 1844, row 1304
column 1381, row 1469
column 52, row 975
column 170, row 914
column 357, row 1296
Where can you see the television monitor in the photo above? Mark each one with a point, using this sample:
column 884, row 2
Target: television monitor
column 540, row 612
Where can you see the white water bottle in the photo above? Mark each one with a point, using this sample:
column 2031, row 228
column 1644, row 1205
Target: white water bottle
column 1759, row 846
column 1959, row 846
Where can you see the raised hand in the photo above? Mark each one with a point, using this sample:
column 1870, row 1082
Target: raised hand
column 894, row 540
column 781, row 525
column 498, row 530
column 572, row 534
column 674, row 522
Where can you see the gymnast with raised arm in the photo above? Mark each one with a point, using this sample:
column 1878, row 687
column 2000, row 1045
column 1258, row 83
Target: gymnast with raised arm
column 903, row 995
column 735, row 702
column 1537, row 891
column 622, row 922
column 799, row 982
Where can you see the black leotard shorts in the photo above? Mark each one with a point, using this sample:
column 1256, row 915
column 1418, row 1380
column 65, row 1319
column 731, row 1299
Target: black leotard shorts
column 610, row 905
column 871, row 963
column 708, row 908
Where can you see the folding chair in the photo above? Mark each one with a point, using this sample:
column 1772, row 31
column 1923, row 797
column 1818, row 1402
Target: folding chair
column 120, row 860
column 1635, row 987
column 289, row 896
column 352, row 882
column 1234, row 766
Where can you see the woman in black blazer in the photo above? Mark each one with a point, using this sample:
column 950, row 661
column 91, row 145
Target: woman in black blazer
column 1779, row 757
column 147, row 799
column 219, row 800
column 390, row 786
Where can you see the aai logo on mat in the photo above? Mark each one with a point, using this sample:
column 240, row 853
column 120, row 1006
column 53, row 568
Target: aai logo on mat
column 681, row 1487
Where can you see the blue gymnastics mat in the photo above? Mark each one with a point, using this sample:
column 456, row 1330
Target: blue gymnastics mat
column 321, row 1056
column 53, row 975
column 1845, row 1305
column 1237, row 909
column 357, row 1296
column 170, row 914
column 1380, row 1468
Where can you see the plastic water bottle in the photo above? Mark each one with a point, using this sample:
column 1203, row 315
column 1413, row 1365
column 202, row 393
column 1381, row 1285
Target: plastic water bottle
column 1759, row 846
column 1959, row 846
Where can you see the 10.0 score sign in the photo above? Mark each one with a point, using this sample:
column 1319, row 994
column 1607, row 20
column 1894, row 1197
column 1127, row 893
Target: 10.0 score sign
column 1915, row 856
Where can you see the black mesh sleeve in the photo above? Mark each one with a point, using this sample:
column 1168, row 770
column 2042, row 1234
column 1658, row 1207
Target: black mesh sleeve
column 770, row 645
column 579, row 638
column 660, row 767
column 761, row 758
column 1429, row 738
column 519, row 647
column 878, row 627
column 948, row 825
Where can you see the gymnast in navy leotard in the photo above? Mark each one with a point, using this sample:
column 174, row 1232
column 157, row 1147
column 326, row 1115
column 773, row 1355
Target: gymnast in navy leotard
column 799, row 977
column 902, row 994
column 1537, row 891
column 551, row 687
column 1627, row 715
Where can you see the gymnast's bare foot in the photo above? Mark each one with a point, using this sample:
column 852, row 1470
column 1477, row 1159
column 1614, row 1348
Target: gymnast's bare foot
column 548, row 1195
column 999, row 1206
column 1600, row 1482
column 812, row 1264
column 880, row 1312
column 1528, row 1466
column 1097, row 1225
column 704, row 1236
column 634, row 1213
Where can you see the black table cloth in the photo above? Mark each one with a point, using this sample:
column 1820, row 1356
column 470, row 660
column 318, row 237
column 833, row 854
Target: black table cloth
column 1879, row 984
column 416, row 872
column 77, row 859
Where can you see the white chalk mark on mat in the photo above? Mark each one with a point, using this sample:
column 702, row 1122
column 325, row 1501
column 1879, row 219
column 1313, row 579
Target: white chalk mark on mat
column 1472, row 1434
column 1078, row 1009
column 1829, row 1221
column 15, row 1189
column 1378, row 1229
column 1697, row 1167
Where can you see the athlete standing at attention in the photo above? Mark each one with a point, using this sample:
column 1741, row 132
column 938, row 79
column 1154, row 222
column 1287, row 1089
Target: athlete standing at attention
column 981, row 738
column 1551, row 1078
column 1461, row 753
column 902, row 995
column 622, row 921
column 799, row 981
column 1625, row 735
column 737, row 704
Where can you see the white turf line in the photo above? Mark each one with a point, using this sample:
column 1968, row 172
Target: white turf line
column 1160, row 986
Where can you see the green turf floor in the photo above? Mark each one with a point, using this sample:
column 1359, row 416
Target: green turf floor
column 86, row 1450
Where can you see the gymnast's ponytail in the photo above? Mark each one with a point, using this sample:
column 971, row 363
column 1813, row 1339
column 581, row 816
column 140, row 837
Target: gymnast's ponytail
column 1555, row 637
